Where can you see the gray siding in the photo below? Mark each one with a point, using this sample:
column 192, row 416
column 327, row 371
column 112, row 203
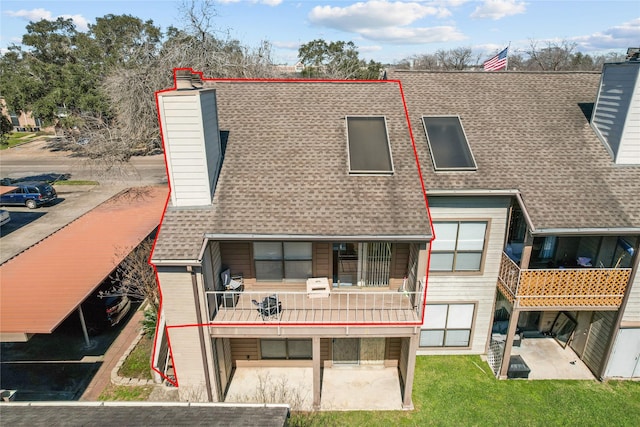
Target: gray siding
column 599, row 334
column 478, row 288
column 211, row 134
column 616, row 115
column 632, row 310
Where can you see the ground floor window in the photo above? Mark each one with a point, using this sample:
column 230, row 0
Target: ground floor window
column 286, row 348
column 447, row 325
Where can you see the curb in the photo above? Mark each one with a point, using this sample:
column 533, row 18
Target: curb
column 125, row 381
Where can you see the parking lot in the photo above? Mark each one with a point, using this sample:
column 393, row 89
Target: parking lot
column 29, row 226
column 57, row 366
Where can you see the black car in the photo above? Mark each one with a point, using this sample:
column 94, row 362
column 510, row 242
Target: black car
column 29, row 194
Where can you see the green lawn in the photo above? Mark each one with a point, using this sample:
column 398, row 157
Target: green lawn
column 137, row 365
column 454, row 391
column 16, row 138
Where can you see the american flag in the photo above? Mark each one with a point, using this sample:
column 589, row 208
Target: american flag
column 498, row 62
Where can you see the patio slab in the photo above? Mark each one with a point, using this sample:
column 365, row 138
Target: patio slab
column 343, row 388
column 549, row 361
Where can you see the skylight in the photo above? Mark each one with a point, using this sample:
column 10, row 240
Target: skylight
column 369, row 150
column 448, row 143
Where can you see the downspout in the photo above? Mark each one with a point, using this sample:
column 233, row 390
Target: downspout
column 203, row 351
column 616, row 326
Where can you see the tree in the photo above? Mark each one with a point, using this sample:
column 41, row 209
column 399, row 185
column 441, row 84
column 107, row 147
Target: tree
column 134, row 276
column 456, row 59
column 552, row 57
column 5, row 128
column 336, row 60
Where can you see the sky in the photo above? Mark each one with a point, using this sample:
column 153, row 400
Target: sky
column 384, row 30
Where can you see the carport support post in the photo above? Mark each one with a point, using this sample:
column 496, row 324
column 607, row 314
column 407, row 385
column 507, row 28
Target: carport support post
column 84, row 327
column 316, row 372
column 508, row 344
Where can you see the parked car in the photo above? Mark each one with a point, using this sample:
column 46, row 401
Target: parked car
column 5, row 217
column 29, row 194
column 101, row 313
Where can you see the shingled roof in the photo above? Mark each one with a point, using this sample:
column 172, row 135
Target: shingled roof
column 286, row 173
column 529, row 132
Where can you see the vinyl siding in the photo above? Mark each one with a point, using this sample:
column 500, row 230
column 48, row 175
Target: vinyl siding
column 477, row 288
column 192, row 162
column 617, row 111
column 599, row 334
column 632, row 310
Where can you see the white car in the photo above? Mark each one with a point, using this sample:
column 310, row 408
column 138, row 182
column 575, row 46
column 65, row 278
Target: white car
column 4, row 217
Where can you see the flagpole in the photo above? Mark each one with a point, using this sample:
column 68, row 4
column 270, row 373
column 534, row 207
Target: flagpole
column 506, row 65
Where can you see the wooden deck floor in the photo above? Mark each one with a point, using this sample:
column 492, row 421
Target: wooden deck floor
column 338, row 307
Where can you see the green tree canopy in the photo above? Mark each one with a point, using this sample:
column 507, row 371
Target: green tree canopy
column 338, row 60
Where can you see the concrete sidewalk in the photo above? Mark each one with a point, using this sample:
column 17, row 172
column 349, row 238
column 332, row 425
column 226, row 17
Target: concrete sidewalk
column 103, row 377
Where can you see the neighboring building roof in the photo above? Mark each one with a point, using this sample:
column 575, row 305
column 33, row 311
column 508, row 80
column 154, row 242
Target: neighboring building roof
column 143, row 414
column 286, row 171
column 528, row 131
column 44, row 284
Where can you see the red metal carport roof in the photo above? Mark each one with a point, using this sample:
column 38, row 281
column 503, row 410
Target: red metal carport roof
column 41, row 286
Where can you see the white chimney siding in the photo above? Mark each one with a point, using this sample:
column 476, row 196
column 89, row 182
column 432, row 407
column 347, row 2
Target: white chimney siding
column 616, row 114
column 189, row 120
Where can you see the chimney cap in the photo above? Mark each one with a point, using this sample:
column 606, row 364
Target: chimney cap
column 186, row 79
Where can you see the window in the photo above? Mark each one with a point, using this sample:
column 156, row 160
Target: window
column 448, row 144
column 369, row 150
column 458, row 246
column 276, row 261
column 447, row 325
column 286, row 348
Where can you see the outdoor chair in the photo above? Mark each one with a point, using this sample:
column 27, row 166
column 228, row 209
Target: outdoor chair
column 231, row 283
column 268, row 307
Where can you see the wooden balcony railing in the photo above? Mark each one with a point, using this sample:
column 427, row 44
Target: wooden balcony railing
column 566, row 288
column 338, row 308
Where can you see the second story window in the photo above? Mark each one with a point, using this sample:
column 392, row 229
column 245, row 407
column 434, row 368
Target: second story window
column 458, row 245
column 277, row 261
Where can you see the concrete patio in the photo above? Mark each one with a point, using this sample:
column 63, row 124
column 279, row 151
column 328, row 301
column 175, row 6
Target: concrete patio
column 549, row 361
column 343, row 388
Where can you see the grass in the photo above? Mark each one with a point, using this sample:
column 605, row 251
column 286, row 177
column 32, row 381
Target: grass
column 137, row 365
column 16, row 138
column 125, row 393
column 454, row 391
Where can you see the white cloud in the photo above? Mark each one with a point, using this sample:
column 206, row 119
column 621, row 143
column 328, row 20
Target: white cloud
column 35, row 15
column 618, row 37
column 387, row 21
column 81, row 22
column 267, row 2
column 406, row 35
column 30, row 15
column 498, row 9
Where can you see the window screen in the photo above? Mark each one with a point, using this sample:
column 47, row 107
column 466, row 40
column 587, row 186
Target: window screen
column 448, row 144
column 276, row 261
column 369, row 150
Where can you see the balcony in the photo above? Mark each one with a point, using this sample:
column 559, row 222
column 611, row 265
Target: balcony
column 340, row 307
column 597, row 288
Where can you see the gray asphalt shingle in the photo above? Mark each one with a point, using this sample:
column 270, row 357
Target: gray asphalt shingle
column 528, row 131
column 285, row 170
